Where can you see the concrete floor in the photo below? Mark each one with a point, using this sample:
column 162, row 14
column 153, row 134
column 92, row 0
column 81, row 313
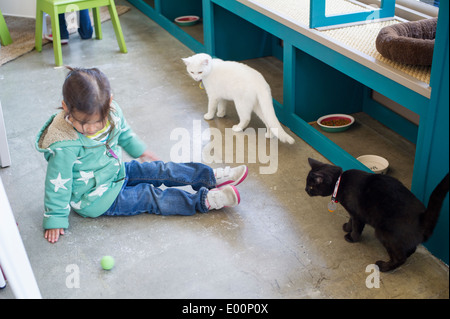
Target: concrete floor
column 278, row 243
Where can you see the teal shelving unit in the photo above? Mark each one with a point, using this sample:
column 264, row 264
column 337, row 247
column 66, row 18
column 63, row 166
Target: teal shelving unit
column 164, row 12
column 320, row 73
column 318, row 18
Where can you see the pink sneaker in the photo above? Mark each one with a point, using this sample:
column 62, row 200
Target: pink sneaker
column 50, row 37
column 230, row 176
column 227, row 196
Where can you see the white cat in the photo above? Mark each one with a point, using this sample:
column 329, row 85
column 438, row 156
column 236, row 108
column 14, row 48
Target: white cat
column 234, row 81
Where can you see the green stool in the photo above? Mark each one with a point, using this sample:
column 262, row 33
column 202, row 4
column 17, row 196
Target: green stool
column 54, row 7
column 5, row 37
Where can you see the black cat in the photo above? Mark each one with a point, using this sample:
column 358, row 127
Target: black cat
column 400, row 220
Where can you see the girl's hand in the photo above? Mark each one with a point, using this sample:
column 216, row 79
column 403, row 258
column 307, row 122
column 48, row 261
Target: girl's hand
column 52, row 235
column 148, row 156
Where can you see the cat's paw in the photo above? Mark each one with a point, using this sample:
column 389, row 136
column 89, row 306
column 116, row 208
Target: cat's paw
column 269, row 134
column 383, row 265
column 347, row 227
column 349, row 238
column 208, row 116
column 236, row 128
column 221, row 113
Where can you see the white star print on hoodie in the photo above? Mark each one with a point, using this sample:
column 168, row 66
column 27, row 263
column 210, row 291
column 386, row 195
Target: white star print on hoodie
column 82, row 173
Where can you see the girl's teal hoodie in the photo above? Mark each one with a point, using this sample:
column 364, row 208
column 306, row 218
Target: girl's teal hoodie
column 83, row 174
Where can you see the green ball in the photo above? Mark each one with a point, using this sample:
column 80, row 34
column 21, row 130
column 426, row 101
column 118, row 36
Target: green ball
column 107, row 262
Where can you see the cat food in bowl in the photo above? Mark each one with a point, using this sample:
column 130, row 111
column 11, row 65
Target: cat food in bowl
column 335, row 122
column 187, row 20
column 376, row 164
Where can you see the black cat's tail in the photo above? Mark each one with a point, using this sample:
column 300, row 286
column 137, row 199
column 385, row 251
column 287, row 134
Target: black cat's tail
column 431, row 215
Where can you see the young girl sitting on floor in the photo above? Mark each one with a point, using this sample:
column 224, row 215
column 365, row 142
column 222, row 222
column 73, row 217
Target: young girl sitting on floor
column 85, row 172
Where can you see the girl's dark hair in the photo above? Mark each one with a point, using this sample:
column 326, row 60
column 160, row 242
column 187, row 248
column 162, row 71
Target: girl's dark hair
column 87, row 91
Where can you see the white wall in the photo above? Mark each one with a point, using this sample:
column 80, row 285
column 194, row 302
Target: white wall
column 21, row 8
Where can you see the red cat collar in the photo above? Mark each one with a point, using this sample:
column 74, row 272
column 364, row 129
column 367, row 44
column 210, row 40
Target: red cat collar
column 332, row 204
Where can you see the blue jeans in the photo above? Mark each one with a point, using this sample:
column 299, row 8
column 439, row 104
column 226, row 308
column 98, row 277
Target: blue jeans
column 141, row 193
column 85, row 28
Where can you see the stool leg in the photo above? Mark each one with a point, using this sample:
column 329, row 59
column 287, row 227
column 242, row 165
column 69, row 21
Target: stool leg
column 97, row 23
column 56, row 35
column 117, row 28
column 38, row 29
column 5, row 37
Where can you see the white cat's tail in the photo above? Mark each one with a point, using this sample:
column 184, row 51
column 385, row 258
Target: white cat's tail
column 269, row 117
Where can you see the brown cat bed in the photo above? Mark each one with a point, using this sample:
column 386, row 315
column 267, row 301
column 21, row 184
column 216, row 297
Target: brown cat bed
column 409, row 42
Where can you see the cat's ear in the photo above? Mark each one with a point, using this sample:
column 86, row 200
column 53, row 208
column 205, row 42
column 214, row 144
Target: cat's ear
column 205, row 62
column 186, row 61
column 314, row 163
